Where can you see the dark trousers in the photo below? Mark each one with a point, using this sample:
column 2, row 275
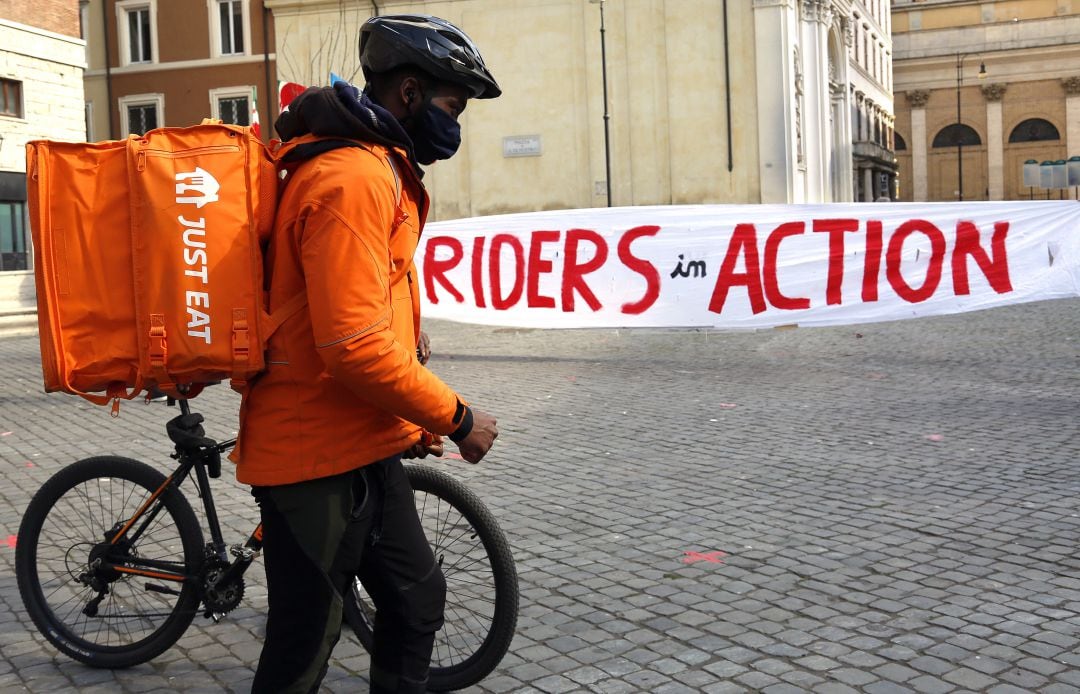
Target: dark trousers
column 317, row 536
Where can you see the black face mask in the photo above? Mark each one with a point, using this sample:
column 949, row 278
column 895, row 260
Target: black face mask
column 435, row 134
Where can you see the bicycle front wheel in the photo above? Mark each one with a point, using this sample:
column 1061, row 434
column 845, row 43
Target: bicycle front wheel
column 105, row 591
column 481, row 582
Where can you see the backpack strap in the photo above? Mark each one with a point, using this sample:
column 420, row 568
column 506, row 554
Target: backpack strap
column 269, row 323
column 397, row 180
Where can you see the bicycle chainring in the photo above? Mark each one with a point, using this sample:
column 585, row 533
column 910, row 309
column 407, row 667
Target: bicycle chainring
column 222, row 598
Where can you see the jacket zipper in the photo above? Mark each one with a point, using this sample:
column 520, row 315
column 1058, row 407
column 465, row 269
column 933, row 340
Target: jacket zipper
column 140, row 157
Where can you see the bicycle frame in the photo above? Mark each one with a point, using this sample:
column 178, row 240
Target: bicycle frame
column 190, row 461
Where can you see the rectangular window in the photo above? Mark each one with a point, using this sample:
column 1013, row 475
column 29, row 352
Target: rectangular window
column 13, row 252
column 231, row 23
column 139, row 49
column 235, row 110
column 141, row 118
column 11, row 98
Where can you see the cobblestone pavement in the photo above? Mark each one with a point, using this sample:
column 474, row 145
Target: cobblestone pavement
column 877, row 508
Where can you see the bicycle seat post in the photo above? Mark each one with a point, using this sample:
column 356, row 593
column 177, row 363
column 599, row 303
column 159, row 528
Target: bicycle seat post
column 184, row 407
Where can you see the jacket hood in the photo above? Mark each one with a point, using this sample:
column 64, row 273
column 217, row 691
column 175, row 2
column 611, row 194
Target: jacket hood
column 345, row 112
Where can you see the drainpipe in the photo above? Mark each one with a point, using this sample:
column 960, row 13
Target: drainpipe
column 727, row 92
column 108, row 71
column 270, row 91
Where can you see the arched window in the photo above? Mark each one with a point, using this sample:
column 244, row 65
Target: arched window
column 1034, row 130
column 956, row 134
column 901, row 145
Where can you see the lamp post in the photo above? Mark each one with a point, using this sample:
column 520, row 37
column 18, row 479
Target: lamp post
column 959, row 140
column 607, row 116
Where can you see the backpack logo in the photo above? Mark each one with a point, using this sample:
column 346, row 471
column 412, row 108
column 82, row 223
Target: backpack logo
column 200, row 182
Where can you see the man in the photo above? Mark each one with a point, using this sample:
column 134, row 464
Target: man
column 323, row 430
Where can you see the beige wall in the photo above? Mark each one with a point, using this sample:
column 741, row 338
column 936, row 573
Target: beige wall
column 665, row 68
column 1043, row 99
column 1028, row 47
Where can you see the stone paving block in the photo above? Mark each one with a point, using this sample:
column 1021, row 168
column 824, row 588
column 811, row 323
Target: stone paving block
column 725, row 688
column 757, row 681
column 1042, row 666
column 834, row 688
column 555, row 684
column 886, row 688
column 500, row 684
column 1006, row 689
column 1023, row 678
column 969, row 679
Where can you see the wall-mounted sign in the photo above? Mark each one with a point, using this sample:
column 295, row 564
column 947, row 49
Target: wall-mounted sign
column 522, row 146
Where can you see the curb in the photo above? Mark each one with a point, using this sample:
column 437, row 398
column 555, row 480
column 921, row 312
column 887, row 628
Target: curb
column 15, row 324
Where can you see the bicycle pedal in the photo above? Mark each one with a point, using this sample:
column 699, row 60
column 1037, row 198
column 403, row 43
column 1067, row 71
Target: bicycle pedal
column 242, row 553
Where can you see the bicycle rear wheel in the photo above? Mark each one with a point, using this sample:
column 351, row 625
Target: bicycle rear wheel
column 481, row 582
column 102, row 616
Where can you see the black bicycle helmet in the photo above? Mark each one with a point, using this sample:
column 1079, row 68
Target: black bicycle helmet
column 434, row 45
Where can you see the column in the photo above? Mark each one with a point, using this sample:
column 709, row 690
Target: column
column 859, row 97
column 843, row 151
column 773, row 20
column 918, row 98
column 995, row 141
column 841, row 89
column 1072, row 116
column 817, row 15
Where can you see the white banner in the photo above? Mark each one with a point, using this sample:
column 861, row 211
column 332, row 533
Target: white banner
column 747, row 266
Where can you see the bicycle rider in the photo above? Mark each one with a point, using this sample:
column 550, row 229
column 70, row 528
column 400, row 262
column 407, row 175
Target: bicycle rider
column 324, row 429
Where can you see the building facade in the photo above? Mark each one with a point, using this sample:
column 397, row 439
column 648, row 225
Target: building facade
column 870, row 55
column 42, row 59
column 754, row 101
column 982, row 88
column 154, row 63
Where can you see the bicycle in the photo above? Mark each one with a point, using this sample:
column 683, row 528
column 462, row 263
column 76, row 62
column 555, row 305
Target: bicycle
column 113, row 567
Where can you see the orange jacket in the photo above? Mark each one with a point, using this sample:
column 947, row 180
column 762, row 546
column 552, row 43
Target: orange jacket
column 343, row 387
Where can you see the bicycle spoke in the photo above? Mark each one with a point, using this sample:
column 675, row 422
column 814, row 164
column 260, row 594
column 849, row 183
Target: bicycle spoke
column 76, row 524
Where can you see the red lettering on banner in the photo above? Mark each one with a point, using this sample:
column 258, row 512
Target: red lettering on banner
column 743, row 243
column 538, row 266
column 478, row 271
column 504, row 282
column 435, row 270
column 573, row 271
column 995, row 269
column 933, row 271
column 642, row 267
column 835, row 228
column 772, row 284
column 498, row 301
column 872, row 261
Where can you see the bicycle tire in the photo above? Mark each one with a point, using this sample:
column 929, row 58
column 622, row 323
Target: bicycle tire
column 459, row 660
column 70, row 515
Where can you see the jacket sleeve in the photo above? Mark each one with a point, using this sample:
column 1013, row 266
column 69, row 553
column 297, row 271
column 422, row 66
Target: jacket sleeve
column 345, row 252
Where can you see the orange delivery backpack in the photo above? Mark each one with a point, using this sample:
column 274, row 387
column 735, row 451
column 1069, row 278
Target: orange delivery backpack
column 148, row 260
